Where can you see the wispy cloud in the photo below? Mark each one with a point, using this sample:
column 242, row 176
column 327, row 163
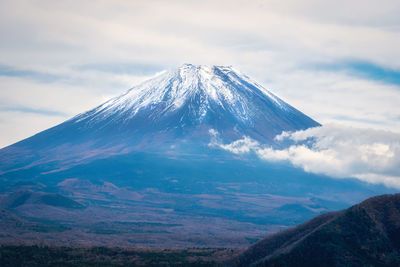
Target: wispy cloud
column 362, row 120
column 333, row 150
column 122, row 68
column 10, row 71
column 32, row 110
column 362, row 69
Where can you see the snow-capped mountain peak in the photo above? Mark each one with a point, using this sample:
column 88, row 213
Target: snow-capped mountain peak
column 201, row 87
column 186, row 102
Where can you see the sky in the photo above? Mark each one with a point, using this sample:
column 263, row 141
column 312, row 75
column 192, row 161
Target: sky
column 336, row 61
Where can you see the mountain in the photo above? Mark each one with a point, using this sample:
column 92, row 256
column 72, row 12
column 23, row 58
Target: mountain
column 367, row 234
column 191, row 100
column 177, row 108
column 139, row 169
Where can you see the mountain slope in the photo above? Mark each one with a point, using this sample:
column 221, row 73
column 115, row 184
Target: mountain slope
column 367, row 234
column 173, row 111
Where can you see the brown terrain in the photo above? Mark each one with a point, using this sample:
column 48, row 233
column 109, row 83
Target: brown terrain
column 367, row 234
column 85, row 214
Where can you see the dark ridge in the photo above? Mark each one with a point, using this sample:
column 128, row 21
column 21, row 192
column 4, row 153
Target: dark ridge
column 60, row 201
column 21, row 198
column 367, row 234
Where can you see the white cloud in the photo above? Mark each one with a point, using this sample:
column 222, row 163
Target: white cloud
column 336, row 151
column 244, row 145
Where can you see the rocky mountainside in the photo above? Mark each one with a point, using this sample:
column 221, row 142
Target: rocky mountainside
column 367, row 234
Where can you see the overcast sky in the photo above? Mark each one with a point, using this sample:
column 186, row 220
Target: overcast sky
column 337, row 61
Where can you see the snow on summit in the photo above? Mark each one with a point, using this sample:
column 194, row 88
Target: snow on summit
column 192, row 99
column 221, row 85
